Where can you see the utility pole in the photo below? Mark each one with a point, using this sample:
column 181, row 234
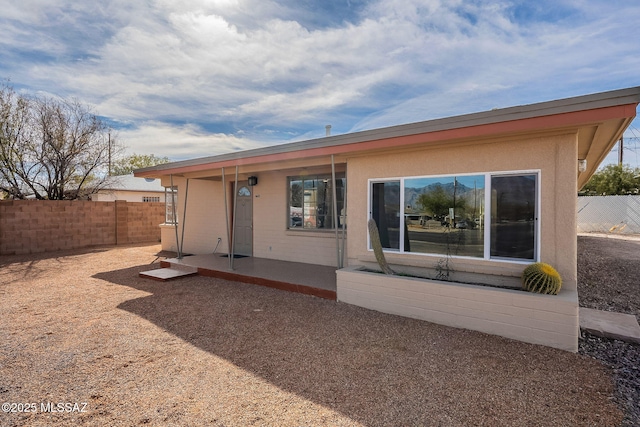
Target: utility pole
column 620, row 150
column 109, row 142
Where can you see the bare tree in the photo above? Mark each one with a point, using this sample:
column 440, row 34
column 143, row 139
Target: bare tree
column 51, row 149
column 15, row 137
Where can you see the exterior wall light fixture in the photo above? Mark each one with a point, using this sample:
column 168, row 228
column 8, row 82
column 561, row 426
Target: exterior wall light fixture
column 582, row 165
column 253, row 180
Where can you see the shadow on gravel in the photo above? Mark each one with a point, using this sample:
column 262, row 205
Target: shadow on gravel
column 6, row 260
column 30, row 264
column 376, row 369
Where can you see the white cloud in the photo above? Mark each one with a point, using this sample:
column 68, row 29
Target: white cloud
column 180, row 142
column 263, row 65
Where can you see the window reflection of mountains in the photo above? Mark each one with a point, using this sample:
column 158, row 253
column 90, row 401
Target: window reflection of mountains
column 462, row 192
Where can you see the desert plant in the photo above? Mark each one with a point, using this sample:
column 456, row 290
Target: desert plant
column 541, row 278
column 374, row 235
column 443, row 269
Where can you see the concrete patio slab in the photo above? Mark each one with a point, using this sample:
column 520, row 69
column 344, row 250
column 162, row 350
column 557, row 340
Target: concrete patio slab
column 310, row 279
column 608, row 324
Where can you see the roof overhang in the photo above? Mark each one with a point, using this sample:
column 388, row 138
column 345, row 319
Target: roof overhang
column 598, row 119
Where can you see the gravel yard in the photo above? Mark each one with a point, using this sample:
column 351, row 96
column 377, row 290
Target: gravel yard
column 81, row 327
column 609, row 279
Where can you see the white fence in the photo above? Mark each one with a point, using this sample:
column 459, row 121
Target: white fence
column 609, row 214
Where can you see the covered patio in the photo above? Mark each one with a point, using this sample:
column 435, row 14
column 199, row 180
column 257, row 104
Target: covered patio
column 309, row 279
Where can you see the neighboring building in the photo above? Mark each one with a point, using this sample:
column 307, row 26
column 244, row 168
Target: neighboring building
column 131, row 189
column 509, row 178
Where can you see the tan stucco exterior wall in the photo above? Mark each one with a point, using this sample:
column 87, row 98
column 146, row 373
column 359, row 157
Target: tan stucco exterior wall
column 272, row 239
column 555, row 156
column 205, row 219
column 206, row 222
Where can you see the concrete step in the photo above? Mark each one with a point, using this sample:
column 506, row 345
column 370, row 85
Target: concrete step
column 164, row 274
column 179, row 265
column 608, row 324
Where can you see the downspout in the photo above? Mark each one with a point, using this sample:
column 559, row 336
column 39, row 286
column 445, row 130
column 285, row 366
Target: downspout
column 235, row 206
column 175, row 220
column 226, row 215
column 335, row 210
column 184, row 218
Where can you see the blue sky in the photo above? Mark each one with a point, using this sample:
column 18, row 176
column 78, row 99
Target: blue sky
column 195, row 78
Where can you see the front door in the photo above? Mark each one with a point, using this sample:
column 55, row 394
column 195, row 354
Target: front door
column 243, row 229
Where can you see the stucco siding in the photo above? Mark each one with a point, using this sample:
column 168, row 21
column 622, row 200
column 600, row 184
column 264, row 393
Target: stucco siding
column 553, row 155
column 206, row 222
column 271, row 236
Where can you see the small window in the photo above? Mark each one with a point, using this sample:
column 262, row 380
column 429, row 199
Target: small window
column 150, row 199
column 311, row 203
column 244, row 191
column 171, row 205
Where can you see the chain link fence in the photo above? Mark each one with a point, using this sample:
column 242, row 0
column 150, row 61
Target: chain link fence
column 609, row 214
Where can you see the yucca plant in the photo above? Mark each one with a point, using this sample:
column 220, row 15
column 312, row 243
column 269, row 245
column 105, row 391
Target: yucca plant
column 541, row 278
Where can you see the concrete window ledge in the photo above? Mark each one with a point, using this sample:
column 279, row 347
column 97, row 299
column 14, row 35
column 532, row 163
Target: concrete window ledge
column 550, row 320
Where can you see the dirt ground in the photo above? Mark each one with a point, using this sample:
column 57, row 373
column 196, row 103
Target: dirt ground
column 81, row 329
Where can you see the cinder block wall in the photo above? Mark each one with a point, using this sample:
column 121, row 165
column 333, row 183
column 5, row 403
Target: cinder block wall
column 29, row 226
column 143, row 221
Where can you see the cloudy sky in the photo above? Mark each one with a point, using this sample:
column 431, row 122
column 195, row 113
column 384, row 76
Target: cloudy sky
column 192, row 78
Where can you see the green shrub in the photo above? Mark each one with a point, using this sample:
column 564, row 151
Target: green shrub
column 541, row 278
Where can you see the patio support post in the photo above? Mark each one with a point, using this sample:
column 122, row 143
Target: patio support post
column 344, row 220
column 184, row 218
column 235, row 205
column 335, row 210
column 226, row 216
column 175, row 219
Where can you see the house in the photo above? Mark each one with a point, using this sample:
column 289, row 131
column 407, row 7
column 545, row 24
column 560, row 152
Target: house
column 131, row 189
column 489, row 194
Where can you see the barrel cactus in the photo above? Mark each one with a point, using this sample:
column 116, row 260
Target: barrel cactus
column 374, row 235
column 541, row 278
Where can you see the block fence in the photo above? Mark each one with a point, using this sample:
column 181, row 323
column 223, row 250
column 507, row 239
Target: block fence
column 29, row 226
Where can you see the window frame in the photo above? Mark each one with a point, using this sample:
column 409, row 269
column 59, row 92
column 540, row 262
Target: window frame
column 370, row 204
column 487, row 213
column 329, row 213
column 170, row 197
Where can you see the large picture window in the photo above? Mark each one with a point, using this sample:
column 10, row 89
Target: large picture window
column 491, row 215
column 311, row 204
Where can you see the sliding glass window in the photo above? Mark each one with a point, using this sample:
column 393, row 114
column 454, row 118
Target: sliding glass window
column 385, row 210
column 513, row 216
